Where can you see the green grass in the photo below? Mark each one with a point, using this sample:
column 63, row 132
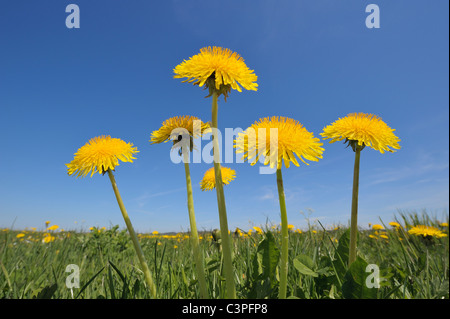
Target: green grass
column 410, row 267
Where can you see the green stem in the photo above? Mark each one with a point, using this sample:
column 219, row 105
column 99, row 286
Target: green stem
column 354, row 216
column 284, row 237
column 198, row 258
column 226, row 245
column 137, row 247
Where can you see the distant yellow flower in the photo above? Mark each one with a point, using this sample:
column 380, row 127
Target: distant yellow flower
column 443, row 224
column 426, row 231
column 175, row 127
column 377, row 227
column 384, row 236
column 258, row 230
column 291, row 139
column 290, row 227
column 54, row 227
column 363, row 129
column 373, row 236
column 395, row 224
column 218, row 68
column 209, row 179
column 48, row 238
column 20, row 235
column 155, row 232
column 99, row 155
column 175, row 246
column 47, row 223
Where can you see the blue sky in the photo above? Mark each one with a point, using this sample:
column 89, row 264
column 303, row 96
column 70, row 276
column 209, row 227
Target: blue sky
column 316, row 61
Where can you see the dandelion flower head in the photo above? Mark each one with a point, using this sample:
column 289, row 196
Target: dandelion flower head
column 99, row 155
column 426, row 231
column 209, row 179
column 365, row 129
column 291, row 139
column 220, row 68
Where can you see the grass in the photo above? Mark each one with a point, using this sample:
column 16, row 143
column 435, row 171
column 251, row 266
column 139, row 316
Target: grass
column 410, row 267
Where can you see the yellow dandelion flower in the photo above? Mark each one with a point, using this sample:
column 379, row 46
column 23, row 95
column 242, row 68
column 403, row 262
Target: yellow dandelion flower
column 426, row 231
column 47, row 223
column 258, row 230
column 155, row 232
column 21, row 235
column 291, row 139
column 372, row 236
column 395, row 225
column 290, row 227
column 384, row 236
column 219, row 68
column 363, row 129
column 377, row 227
column 99, row 155
column 54, row 227
column 443, row 224
column 209, row 179
column 175, row 127
column 48, row 238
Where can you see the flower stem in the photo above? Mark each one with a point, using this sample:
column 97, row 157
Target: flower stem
column 284, row 237
column 226, row 245
column 354, row 216
column 198, row 258
column 137, row 247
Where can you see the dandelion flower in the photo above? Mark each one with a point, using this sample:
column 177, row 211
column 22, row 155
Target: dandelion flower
column 444, row 224
column 258, row 230
column 100, row 154
column 48, row 238
column 426, row 231
column 395, row 225
column 20, row 235
column 363, row 129
column 377, row 227
column 219, row 68
column 175, row 127
column 209, row 179
column 182, row 130
column 291, row 139
column 360, row 130
column 54, row 227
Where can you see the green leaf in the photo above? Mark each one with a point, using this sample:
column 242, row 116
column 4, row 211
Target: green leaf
column 354, row 285
column 304, row 265
column 268, row 256
column 46, row 292
column 264, row 263
column 89, row 282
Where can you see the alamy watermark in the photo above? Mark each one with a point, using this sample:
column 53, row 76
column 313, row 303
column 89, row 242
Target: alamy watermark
column 256, row 145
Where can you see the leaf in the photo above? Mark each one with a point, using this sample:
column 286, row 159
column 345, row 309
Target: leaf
column 264, row 262
column 46, row 292
column 90, row 280
column 354, row 285
column 267, row 257
column 304, row 265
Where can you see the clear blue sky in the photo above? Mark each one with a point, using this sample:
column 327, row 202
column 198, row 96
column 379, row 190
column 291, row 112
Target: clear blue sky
column 315, row 60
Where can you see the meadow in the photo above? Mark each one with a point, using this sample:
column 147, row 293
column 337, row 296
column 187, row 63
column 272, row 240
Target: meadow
column 392, row 262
